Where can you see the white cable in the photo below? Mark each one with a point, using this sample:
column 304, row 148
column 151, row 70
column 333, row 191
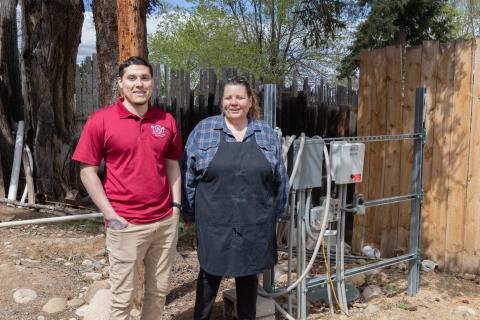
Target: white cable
column 288, row 144
column 283, row 311
column 297, row 161
column 320, row 237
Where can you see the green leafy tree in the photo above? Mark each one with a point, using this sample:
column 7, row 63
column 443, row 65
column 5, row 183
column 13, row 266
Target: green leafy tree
column 269, row 39
column 469, row 17
column 206, row 37
column 406, row 22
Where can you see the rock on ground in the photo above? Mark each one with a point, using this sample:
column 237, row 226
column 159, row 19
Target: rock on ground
column 94, row 287
column 371, row 292
column 55, row 305
column 24, row 295
column 99, row 307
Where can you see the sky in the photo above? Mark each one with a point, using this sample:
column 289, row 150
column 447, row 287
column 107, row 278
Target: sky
column 88, row 41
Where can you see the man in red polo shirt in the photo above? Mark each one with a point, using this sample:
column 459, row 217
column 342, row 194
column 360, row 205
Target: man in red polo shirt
column 140, row 194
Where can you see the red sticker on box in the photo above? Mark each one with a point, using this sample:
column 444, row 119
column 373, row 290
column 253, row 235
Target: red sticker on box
column 356, row 177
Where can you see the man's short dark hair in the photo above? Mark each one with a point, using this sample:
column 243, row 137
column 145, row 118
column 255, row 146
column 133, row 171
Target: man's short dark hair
column 136, row 61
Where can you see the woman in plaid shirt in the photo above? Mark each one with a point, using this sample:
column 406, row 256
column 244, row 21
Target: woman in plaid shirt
column 236, row 186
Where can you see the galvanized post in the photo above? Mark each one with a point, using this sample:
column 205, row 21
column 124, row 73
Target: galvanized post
column 269, row 107
column 270, row 104
column 417, row 186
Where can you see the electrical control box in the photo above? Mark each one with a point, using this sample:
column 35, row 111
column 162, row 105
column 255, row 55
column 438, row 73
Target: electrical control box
column 347, row 161
column 309, row 172
column 334, row 212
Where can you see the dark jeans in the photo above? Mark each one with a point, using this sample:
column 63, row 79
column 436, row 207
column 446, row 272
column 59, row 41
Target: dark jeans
column 207, row 288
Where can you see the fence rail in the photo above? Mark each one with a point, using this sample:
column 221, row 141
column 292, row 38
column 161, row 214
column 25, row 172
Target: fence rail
column 322, row 109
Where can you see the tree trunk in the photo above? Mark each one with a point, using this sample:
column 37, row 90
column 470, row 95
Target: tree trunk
column 11, row 103
column 51, row 32
column 105, row 18
column 132, row 28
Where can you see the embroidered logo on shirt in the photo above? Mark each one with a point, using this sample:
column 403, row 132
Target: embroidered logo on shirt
column 158, row 130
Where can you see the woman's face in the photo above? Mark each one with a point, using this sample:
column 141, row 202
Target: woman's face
column 236, row 102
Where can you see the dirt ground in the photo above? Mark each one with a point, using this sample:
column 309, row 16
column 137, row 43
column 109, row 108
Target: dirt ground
column 48, row 259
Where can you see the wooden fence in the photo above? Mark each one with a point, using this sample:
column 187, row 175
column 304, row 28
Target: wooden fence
column 450, row 221
column 322, row 109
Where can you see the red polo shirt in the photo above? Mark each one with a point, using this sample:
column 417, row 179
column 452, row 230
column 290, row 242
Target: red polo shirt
column 134, row 150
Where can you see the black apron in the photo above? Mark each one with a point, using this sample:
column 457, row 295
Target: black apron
column 235, row 211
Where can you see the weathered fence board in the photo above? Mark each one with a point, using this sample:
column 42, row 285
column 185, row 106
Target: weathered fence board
column 363, row 129
column 450, row 223
column 471, row 262
column 394, row 125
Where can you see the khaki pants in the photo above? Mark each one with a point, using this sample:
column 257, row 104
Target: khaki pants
column 154, row 244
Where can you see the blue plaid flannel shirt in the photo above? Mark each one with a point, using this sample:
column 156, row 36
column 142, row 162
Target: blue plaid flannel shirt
column 202, row 144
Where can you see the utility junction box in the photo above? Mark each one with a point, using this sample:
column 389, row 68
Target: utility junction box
column 347, row 161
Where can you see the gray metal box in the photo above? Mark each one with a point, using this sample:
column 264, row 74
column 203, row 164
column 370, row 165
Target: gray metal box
column 309, row 173
column 347, row 161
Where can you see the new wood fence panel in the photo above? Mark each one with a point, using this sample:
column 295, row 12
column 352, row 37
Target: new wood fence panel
column 393, row 148
column 471, row 258
column 363, row 129
column 429, row 78
column 377, row 149
column 459, row 148
column 435, row 241
column 413, row 61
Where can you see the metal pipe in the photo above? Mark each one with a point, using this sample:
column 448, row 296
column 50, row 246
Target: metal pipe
column 17, row 160
column 299, row 250
column 321, row 280
column 417, row 185
column 320, row 237
column 52, row 220
column 269, row 104
column 290, row 247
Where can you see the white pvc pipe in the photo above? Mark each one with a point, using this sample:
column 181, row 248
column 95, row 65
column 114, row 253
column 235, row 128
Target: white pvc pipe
column 50, row 220
column 28, row 168
column 17, row 160
column 297, row 161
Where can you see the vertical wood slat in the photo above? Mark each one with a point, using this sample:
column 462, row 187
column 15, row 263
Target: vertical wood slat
column 459, row 148
column 393, row 149
column 471, row 259
column 435, row 241
column 429, row 76
column 95, row 83
column 412, row 77
column 363, row 129
column 377, row 150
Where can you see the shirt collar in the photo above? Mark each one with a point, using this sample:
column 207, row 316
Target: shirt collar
column 124, row 113
column 252, row 127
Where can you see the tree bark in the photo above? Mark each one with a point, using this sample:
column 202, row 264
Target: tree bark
column 132, row 29
column 11, row 103
column 105, row 18
column 51, row 32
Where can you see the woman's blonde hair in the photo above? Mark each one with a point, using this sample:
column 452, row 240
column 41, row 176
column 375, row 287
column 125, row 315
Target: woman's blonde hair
column 255, row 110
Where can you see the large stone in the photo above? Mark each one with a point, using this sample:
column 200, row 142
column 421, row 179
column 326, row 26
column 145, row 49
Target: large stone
column 55, row 305
column 95, row 276
column 371, row 292
column 357, row 280
column 75, row 303
column 94, row 287
column 372, row 309
column 99, row 307
column 464, row 311
column 82, row 310
column 24, row 295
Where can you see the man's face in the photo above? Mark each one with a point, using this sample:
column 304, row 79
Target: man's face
column 136, row 84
